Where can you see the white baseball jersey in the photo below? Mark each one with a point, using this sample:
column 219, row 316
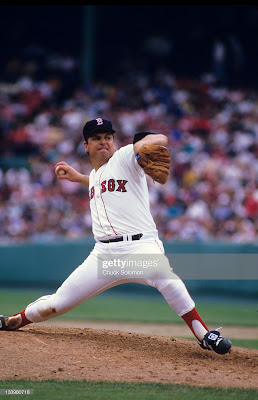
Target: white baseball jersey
column 119, row 202
column 119, row 198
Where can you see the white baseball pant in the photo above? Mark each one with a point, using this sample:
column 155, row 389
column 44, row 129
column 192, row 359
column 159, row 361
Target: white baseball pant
column 85, row 281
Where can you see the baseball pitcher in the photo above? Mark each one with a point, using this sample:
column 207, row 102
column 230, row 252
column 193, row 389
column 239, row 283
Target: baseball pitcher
column 124, row 232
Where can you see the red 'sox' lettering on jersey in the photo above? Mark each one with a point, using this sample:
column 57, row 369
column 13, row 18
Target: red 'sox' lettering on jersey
column 103, row 186
column 111, row 185
column 121, row 187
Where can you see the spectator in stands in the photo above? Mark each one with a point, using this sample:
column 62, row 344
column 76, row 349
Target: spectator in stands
column 211, row 193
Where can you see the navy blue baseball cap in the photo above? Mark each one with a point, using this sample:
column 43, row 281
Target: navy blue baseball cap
column 97, row 125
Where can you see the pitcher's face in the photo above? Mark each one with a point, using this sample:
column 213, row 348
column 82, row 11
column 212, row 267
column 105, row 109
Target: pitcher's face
column 100, row 147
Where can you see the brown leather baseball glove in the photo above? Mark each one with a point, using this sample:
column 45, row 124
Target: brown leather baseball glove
column 155, row 161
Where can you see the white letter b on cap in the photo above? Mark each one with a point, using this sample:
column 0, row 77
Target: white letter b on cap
column 99, row 121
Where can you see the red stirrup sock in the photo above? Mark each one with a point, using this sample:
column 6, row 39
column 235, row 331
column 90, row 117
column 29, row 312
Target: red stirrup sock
column 24, row 320
column 195, row 323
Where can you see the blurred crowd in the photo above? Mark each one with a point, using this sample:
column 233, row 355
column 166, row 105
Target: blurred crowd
column 212, row 192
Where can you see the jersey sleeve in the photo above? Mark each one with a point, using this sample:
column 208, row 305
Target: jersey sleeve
column 140, row 135
column 125, row 155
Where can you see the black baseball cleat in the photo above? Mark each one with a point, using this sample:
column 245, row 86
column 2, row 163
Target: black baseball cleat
column 10, row 323
column 213, row 341
column 3, row 325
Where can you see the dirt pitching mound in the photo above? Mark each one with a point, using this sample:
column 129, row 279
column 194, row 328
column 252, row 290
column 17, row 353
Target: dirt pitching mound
column 47, row 352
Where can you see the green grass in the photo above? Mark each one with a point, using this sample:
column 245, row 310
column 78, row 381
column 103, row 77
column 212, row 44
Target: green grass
column 137, row 308
column 247, row 343
column 90, row 390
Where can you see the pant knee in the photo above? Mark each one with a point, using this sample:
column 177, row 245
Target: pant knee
column 47, row 312
column 176, row 295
